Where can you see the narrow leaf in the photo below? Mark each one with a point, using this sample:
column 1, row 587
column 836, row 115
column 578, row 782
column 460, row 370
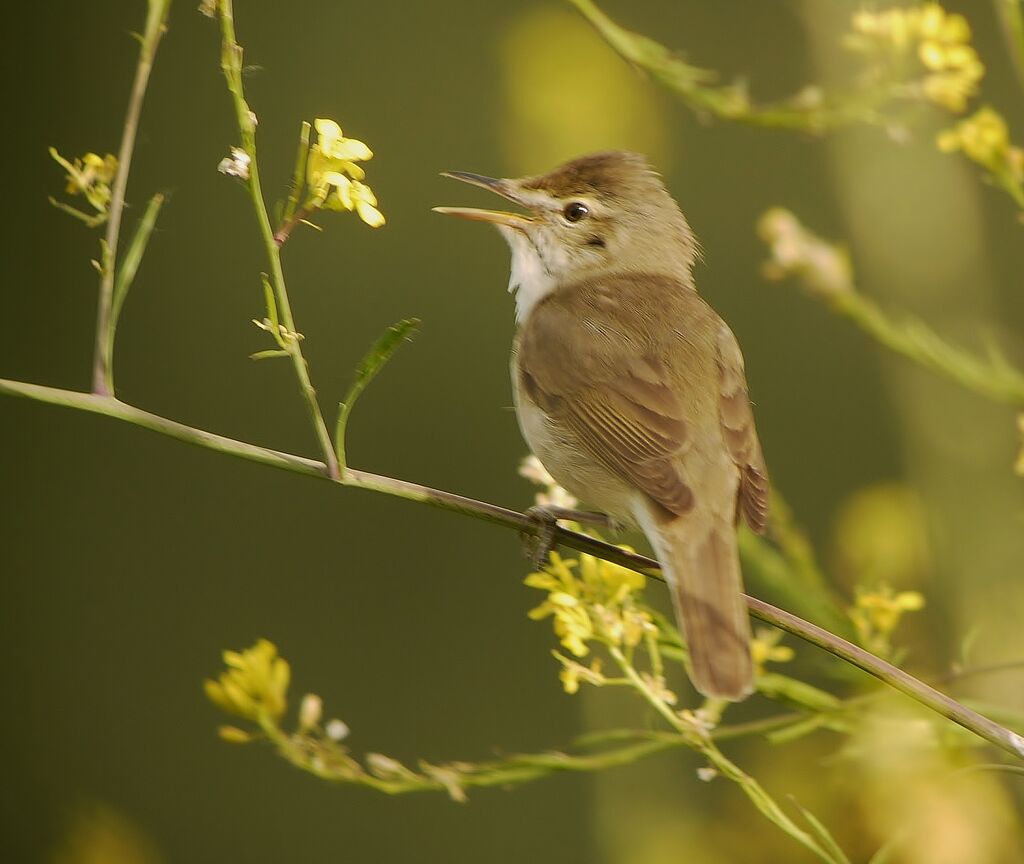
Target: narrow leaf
column 886, row 853
column 271, row 303
column 299, row 175
column 132, row 259
column 794, row 692
column 373, row 361
column 91, row 221
column 823, row 834
column 270, row 352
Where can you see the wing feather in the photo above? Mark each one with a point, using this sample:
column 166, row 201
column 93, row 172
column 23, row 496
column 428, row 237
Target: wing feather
column 739, row 432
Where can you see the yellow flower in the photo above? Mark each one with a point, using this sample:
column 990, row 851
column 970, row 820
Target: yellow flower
column 333, row 145
column 877, row 613
column 765, row 648
column 89, row 176
column 596, row 604
column 573, row 673
column 255, row 685
column 334, row 178
column 940, row 41
column 983, row 137
column 607, row 583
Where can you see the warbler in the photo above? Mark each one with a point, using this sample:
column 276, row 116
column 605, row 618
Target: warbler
column 631, row 389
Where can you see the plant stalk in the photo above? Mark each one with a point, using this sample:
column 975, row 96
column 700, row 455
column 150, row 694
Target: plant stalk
column 103, row 360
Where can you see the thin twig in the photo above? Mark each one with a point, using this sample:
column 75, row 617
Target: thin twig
column 231, row 64
column 102, row 371
column 282, row 234
column 917, row 690
column 1011, row 16
column 699, row 740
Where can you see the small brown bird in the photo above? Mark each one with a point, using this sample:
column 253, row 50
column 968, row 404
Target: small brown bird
column 631, row 390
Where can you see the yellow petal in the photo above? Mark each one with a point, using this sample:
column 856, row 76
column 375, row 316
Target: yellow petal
column 362, row 192
column 349, row 149
column 370, row 214
column 353, row 170
column 933, row 55
column 327, row 130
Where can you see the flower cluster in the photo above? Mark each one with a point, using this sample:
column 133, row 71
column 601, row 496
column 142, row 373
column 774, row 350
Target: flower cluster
column 877, row 613
column 335, row 178
column 823, row 267
column 984, row 138
column 236, row 164
column 594, row 601
column 940, row 41
column 254, row 686
column 765, row 648
column 90, row 176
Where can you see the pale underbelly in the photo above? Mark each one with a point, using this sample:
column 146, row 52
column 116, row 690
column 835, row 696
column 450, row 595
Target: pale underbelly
column 572, row 467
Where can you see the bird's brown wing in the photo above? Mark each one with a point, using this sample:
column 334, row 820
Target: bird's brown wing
column 594, row 377
column 740, row 435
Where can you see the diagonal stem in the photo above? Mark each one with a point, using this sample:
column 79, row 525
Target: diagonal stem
column 917, row 690
column 102, row 370
column 231, row 64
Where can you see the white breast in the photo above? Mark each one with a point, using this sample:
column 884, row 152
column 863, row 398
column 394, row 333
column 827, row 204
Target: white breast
column 531, row 279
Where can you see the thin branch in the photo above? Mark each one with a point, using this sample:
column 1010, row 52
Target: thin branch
column 103, row 372
column 810, row 109
column 288, row 225
column 917, row 690
column 231, row 65
column 994, row 378
column 699, row 740
column 824, row 271
column 1011, row 16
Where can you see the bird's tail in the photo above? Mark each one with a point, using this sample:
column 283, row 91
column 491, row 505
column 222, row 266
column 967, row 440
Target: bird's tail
column 700, row 561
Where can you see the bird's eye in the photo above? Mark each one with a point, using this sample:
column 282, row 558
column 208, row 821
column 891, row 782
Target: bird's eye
column 576, row 211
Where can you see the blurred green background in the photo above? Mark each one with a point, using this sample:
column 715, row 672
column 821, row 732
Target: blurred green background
column 129, row 561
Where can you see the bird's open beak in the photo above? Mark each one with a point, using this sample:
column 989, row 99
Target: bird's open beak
column 495, row 217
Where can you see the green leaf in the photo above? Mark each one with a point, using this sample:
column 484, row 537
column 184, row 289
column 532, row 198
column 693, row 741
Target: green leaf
column 132, row 259
column 299, row 175
column 272, row 317
column 91, row 221
column 888, row 849
column 823, row 834
column 796, row 693
column 373, row 361
column 270, row 352
column 797, row 730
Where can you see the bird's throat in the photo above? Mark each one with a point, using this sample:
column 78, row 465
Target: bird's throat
column 531, row 278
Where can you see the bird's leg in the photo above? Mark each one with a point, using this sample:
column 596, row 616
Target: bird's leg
column 537, row 546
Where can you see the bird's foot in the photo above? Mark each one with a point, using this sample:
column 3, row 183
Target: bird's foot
column 537, row 545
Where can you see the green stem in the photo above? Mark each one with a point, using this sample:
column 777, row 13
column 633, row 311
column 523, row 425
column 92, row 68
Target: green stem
column 995, row 380
column 132, row 260
column 102, row 370
column 282, row 234
column 700, row 90
column 702, row 742
column 231, row 64
column 298, row 174
column 898, row 679
column 1011, row 17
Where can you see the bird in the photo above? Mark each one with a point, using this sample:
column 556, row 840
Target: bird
column 630, row 388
